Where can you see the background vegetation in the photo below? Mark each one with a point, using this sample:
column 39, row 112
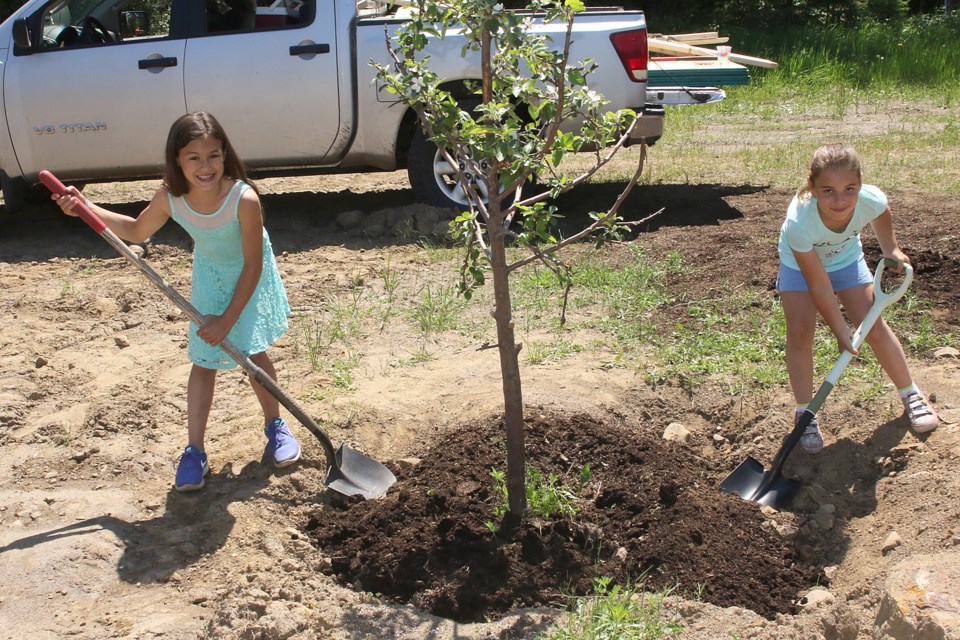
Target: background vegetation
column 743, row 13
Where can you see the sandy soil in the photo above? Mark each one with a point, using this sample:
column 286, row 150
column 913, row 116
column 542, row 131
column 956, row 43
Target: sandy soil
column 95, row 543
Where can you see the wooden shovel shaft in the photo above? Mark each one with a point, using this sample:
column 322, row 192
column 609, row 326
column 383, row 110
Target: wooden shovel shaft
column 241, row 358
column 258, row 374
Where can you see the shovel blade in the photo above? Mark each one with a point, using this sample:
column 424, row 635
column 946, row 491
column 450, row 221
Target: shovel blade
column 751, row 482
column 745, row 480
column 358, row 475
column 779, row 493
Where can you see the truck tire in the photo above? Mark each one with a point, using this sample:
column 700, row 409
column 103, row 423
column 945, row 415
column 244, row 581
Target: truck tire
column 13, row 192
column 433, row 179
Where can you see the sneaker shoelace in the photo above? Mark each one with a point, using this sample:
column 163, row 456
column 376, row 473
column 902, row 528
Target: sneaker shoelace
column 187, row 455
column 275, row 435
column 917, row 406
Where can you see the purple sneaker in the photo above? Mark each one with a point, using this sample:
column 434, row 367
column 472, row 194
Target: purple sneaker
column 281, row 444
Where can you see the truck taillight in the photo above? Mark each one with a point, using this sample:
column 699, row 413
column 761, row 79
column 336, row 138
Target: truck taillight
column 631, row 46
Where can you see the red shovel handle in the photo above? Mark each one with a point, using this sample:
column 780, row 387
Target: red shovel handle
column 55, row 186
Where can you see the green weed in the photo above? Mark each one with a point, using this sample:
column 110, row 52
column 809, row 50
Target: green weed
column 546, row 495
column 438, row 309
column 615, row 612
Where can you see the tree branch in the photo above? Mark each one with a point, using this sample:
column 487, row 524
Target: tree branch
column 599, row 222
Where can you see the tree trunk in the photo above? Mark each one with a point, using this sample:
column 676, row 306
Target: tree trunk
column 503, row 314
column 510, row 373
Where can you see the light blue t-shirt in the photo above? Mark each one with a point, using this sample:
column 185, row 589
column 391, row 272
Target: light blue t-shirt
column 803, row 230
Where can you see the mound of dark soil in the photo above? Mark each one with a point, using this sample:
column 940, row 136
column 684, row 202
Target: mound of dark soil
column 651, row 512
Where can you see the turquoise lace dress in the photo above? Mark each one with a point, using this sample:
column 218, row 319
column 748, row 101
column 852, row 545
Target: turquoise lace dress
column 217, row 262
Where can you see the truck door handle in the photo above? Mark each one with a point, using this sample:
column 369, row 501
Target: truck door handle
column 306, row 49
column 153, row 63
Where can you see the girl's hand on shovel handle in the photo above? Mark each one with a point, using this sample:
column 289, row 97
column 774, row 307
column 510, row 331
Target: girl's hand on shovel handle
column 78, row 207
column 68, row 203
column 900, row 258
column 215, row 329
column 845, row 343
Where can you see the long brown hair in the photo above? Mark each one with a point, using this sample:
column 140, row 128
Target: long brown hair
column 185, row 130
column 837, row 155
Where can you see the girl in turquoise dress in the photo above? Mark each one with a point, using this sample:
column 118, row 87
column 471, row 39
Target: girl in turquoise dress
column 236, row 284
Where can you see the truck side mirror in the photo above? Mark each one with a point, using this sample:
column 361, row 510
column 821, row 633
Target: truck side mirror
column 134, row 24
column 21, row 33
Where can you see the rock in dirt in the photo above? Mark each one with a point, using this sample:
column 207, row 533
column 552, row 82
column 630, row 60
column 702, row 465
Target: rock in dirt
column 921, row 599
column 676, row 432
column 892, row 542
column 815, row 598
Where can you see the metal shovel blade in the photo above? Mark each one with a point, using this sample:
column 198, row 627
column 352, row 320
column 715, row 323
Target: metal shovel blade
column 751, row 482
column 745, row 480
column 358, row 475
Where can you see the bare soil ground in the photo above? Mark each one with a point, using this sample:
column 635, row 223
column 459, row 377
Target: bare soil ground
column 95, row 543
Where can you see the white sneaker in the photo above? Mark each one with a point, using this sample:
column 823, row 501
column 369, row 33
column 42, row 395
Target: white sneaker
column 923, row 419
column 812, row 440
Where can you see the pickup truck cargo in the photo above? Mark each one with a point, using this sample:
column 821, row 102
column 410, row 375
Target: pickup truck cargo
column 90, row 87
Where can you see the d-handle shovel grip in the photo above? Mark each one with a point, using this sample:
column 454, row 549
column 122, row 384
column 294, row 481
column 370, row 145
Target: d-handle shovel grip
column 53, row 183
column 881, row 300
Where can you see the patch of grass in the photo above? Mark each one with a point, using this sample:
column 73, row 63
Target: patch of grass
column 341, row 370
column 438, row 309
column 338, row 322
column 740, row 337
column 615, row 612
column 418, row 357
column 557, row 349
column 615, row 300
column 546, row 495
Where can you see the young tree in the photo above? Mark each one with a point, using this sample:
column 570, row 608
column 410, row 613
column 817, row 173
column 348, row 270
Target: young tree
column 504, row 130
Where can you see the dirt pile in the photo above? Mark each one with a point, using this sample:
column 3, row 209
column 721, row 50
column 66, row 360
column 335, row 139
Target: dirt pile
column 648, row 514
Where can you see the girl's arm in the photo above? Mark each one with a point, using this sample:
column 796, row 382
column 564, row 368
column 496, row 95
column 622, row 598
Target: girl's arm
column 130, row 229
column 821, row 292
column 216, row 328
column 883, row 228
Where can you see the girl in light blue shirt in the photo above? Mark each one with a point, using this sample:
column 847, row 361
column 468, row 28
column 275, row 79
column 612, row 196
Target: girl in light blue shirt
column 821, row 261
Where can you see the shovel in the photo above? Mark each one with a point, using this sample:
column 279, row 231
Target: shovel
column 350, row 472
column 770, row 488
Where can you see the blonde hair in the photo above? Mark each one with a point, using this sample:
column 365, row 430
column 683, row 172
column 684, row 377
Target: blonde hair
column 838, row 155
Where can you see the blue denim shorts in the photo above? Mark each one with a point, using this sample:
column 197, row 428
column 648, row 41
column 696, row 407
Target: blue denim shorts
column 848, row 277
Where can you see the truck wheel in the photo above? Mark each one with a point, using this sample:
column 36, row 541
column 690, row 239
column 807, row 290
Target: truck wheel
column 434, row 180
column 13, row 192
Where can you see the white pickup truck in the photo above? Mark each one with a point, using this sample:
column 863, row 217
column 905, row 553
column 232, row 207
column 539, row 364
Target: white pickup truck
column 90, row 87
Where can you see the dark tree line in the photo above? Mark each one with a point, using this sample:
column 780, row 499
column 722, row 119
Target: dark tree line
column 777, row 13
column 742, row 13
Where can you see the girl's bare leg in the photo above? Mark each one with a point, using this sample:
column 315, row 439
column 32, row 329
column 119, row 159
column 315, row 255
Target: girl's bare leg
column 200, row 389
column 801, row 317
column 268, row 403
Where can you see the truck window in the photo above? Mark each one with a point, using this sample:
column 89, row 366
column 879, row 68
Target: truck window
column 248, row 15
column 72, row 23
